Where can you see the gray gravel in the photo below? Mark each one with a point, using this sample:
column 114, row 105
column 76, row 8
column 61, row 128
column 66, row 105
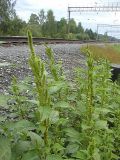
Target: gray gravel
column 15, row 59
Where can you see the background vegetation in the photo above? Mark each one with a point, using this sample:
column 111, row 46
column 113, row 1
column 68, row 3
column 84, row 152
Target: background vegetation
column 105, row 51
column 41, row 24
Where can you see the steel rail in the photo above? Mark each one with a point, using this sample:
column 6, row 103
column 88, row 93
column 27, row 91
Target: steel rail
column 22, row 40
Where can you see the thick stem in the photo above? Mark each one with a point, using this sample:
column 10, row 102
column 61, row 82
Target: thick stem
column 46, row 132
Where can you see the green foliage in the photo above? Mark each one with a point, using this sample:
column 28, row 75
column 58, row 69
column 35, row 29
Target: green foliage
column 50, row 24
column 7, row 13
column 6, row 9
column 71, row 36
column 58, row 120
column 16, row 25
column 80, row 28
column 72, row 26
column 109, row 52
column 91, row 34
column 42, row 17
column 82, row 36
column 41, row 24
column 116, row 47
column 5, row 150
column 62, row 27
column 104, row 38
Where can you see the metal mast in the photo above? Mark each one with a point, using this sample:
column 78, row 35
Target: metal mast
column 109, row 28
column 110, row 7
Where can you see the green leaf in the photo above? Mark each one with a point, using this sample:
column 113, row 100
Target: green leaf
column 69, row 159
column 48, row 113
column 35, row 138
column 24, row 125
column 21, row 147
column 102, row 110
column 57, row 147
column 96, row 154
column 54, row 157
column 56, row 87
column 82, row 155
column 72, row 148
column 31, row 155
column 62, row 104
column 2, row 118
column 20, row 126
column 73, row 134
column 101, row 124
column 45, row 112
column 85, row 126
column 114, row 156
column 4, row 99
column 54, row 116
column 72, row 97
column 5, row 149
column 22, row 87
column 62, row 121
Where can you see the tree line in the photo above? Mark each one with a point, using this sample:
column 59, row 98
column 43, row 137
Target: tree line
column 42, row 24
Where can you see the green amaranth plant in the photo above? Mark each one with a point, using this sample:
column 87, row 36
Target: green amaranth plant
column 45, row 111
column 44, row 99
column 63, row 121
column 97, row 138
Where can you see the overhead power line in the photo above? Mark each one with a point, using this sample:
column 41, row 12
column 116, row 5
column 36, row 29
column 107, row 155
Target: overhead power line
column 110, row 7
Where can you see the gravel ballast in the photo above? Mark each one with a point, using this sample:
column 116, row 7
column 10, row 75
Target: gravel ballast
column 14, row 60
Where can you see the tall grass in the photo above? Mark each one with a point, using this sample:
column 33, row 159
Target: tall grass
column 116, row 47
column 109, row 52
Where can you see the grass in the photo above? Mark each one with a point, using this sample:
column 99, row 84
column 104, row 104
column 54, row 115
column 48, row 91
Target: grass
column 109, row 52
column 116, row 47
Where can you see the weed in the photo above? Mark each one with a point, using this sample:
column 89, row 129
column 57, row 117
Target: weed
column 58, row 120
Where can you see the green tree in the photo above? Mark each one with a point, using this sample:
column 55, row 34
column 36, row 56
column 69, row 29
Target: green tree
column 80, row 32
column 50, row 26
column 16, row 26
column 91, row 34
column 80, row 29
column 42, row 17
column 105, row 37
column 72, row 26
column 62, row 27
column 7, row 13
column 34, row 19
column 7, row 9
column 34, row 25
column 42, row 20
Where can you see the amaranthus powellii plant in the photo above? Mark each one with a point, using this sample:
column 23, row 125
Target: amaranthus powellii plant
column 58, row 120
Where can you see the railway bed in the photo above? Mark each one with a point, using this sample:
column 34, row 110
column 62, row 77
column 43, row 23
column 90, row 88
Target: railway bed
column 23, row 40
column 15, row 60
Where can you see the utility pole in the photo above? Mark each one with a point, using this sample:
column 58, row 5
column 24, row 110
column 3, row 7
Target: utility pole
column 111, row 7
column 97, row 33
column 116, row 28
column 68, row 20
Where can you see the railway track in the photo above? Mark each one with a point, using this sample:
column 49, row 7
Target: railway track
column 22, row 40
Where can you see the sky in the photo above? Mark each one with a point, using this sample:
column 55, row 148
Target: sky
column 24, row 8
